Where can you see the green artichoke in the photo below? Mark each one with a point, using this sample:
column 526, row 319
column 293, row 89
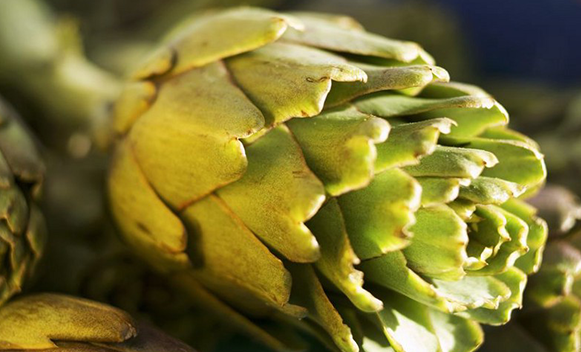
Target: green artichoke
column 551, row 320
column 270, row 163
column 50, row 322
column 22, row 228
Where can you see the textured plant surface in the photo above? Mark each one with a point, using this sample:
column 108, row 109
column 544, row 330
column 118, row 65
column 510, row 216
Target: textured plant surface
column 50, row 322
column 270, row 163
column 22, row 231
column 551, row 318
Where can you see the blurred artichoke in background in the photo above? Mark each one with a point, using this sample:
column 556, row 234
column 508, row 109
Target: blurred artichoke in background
column 50, row 322
column 551, row 319
column 43, row 70
column 22, row 228
column 561, row 141
column 267, row 162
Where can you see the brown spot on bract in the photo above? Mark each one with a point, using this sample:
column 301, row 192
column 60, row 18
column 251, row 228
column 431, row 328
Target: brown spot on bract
column 143, row 228
column 316, row 80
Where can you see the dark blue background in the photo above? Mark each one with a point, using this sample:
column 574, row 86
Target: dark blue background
column 538, row 40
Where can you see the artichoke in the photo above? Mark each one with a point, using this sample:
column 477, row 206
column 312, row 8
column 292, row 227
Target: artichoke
column 50, row 322
column 22, row 228
column 551, row 320
column 297, row 173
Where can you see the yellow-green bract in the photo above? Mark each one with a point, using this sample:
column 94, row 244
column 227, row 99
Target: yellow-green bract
column 51, row 322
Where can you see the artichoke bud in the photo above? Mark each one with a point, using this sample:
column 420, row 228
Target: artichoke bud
column 22, row 227
column 297, row 168
column 51, row 322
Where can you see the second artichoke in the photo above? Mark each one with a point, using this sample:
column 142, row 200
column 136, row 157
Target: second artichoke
column 22, row 227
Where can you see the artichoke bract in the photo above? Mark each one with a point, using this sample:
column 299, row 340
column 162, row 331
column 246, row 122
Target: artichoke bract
column 51, row 322
column 22, row 227
column 551, row 320
column 294, row 170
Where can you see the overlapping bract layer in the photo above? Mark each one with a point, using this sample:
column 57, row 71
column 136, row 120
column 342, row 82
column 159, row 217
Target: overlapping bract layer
column 22, row 228
column 50, row 322
column 276, row 161
column 551, row 320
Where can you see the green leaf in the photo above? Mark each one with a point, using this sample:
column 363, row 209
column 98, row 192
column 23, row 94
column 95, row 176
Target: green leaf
column 456, row 334
column 309, row 293
column 438, row 248
column 284, row 194
column 339, row 147
column 288, row 80
column 385, row 78
column 489, row 231
column 474, row 291
column 323, row 34
column 452, row 90
column 378, row 216
column 215, row 232
column 478, row 254
column 194, row 124
column 505, row 133
column 516, row 281
column 437, row 190
column 473, row 110
column 488, row 190
column 195, row 44
column 388, row 105
column 518, row 161
column 464, row 208
column 145, row 221
column 509, row 251
column 471, row 121
column 538, row 232
column 338, row 257
column 390, row 271
column 411, row 326
column 453, row 162
column 407, row 324
column 341, row 21
column 408, row 142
